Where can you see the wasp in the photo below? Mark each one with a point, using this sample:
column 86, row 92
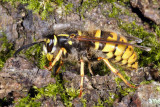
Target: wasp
column 86, row 47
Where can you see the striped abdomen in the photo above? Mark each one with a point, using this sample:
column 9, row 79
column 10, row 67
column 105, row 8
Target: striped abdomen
column 119, row 53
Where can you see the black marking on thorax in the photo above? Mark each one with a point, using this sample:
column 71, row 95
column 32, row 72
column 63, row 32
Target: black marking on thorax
column 63, row 42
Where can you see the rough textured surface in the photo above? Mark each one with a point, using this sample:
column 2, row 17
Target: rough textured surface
column 96, row 87
column 19, row 76
column 21, row 26
column 50, row 102
column 7, row 22
column 145, row 96
column 149, row 8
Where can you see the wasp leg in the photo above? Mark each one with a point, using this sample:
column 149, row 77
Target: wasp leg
column 116, row 71
column 61, row 63
column 89, row 67
column 50, row 63
column 82, row 76
column 56, row 58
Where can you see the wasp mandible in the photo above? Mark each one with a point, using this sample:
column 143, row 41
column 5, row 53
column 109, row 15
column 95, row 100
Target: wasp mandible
column 86, row 47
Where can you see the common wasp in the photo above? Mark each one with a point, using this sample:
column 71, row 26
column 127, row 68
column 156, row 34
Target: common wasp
column 87, row 47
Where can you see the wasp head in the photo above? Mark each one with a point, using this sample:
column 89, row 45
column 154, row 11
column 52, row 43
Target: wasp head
column 50, row 47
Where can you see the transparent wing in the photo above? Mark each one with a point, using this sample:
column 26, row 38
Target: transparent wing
column 104, row 40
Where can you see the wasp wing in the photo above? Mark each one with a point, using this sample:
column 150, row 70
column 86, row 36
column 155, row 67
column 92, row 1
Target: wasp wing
column 104, row 40
column 133, row 39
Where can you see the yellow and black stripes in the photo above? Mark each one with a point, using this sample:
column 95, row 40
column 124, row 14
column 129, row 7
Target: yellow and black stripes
column 116, row 51
column 97, row 35
column 87, row 46
column 119, row 53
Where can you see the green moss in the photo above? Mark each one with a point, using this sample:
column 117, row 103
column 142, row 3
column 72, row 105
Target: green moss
column 157, row 30
column 68, row 8
column 87, row 5
column 34, row 54
column 42, row 61
column 99, row 104
column 110, row 100
column 28, row 102
column 112, row 1
column 45, row 8
column 84, row 101
column 72, row 93
column 123, row 91
column 149, row 40
column 118, row 80
column 158, row 89
column 51, row 90
column 155, row 2
column 42, row 8
column 68, row 94
column 125, row 1
column 126, row 91
column 115, row 11
column 146, row 82
column 6, row 50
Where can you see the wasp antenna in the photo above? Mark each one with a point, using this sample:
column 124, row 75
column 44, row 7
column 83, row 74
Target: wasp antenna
column 25, row 47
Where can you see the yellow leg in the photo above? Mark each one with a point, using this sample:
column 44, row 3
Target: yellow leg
column 116, row 72
column 56, row 58
column 61, row 63
column 82, row 76
column 50, row 63
column 89, row 67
